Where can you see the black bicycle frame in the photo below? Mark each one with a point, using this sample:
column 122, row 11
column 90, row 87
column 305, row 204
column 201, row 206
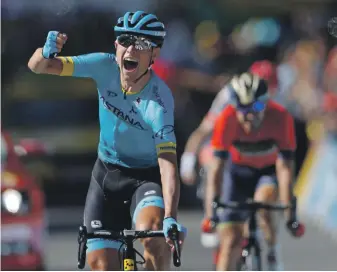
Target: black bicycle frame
column 253, row 242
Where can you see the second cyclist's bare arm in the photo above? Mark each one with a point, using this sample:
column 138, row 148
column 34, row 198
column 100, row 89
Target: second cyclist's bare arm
column 198, row 136
column 206, row 127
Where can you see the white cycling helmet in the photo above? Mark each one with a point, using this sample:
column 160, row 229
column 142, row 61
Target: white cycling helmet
column 247, row 89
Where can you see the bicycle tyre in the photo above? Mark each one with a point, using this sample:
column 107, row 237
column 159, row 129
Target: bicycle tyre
column 250, row 260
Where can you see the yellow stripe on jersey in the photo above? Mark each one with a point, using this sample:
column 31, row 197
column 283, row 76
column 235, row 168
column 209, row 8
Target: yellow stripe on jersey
column 68, row 66
column 130, row 93
column 169, row 147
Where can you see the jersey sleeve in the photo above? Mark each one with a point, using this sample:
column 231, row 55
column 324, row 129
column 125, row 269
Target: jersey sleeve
column 219, row 103
column 224, row 133
column 163, row 123
column 90, row 65
column 287, row 137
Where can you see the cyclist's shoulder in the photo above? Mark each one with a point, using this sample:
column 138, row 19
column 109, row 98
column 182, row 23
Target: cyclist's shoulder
column 227, row 117
column 159, row 93
column 97, row 58
column 223, row 96
column 277, row 109
column 225, row 90
column 229, row 111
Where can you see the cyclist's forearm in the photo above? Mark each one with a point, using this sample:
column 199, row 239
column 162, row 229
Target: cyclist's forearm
column 170, row 184
column 214, row 184
column 171, row 194
column 285, row 175
column 37, row 62
column 39, row 65
column 195, row 140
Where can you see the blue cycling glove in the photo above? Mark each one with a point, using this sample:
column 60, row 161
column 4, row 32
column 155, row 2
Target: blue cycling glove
column 168, row 222
column 49, row 50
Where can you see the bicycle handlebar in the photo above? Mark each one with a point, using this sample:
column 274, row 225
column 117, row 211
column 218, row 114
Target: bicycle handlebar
column 104, row 234
column 250, row 206
column 255, row 205
column 122, row 236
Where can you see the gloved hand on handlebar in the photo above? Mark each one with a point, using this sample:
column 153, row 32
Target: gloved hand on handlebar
column 167, row 223
column 295, row 228
column 208, row 225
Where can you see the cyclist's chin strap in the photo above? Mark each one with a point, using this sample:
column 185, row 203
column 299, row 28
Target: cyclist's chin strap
column 141, row 75
column 147, row 70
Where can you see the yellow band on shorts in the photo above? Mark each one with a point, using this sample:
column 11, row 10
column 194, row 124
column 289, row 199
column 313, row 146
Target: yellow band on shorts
column 223, row 225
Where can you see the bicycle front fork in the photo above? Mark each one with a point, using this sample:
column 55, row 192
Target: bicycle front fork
column 251, row 252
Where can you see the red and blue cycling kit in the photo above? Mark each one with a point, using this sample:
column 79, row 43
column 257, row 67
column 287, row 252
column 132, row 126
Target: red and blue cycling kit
column 252, row 156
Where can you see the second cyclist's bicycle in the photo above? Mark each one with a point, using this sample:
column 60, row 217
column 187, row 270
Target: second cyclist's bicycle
column 251, row 253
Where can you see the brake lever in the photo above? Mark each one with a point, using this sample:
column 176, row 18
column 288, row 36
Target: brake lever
column 174, row 236
column 82, row 247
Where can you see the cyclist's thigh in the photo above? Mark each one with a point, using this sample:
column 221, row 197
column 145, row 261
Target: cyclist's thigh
column 266, row 188
column 239, row 185
column 147, row 207
column 104, row 212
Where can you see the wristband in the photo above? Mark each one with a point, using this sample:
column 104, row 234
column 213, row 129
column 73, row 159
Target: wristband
column 188, row 160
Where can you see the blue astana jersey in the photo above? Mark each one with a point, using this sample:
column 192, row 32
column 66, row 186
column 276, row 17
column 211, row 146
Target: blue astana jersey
column 134, row 127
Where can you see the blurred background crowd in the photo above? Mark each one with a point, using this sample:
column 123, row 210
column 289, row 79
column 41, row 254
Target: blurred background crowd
column 207, row 43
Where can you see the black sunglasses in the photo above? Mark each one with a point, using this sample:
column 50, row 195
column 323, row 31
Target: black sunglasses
column 140, row 43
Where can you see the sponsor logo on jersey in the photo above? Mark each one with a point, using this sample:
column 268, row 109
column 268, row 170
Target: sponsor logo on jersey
column 111, row 93
column 158, row 98
column 121, row 115
column 165, row 130
column 132, row 110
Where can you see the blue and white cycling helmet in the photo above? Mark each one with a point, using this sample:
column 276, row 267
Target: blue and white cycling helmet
column 248, row 91
column 141, row 23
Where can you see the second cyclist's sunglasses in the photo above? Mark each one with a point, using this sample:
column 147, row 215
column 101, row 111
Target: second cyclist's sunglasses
column 140, row 43
column 256, row 107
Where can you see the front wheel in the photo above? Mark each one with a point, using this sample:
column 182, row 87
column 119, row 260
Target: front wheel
column 250, row 260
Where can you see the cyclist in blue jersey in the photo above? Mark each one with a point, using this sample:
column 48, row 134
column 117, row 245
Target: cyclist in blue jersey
column 134, row 181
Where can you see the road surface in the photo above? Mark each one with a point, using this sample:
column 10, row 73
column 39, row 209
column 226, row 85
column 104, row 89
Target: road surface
column 315, row 251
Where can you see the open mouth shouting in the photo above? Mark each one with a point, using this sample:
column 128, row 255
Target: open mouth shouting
column 130, row 64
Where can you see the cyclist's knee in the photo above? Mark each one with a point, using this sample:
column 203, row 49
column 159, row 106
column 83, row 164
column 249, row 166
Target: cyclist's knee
column 153, row 245
column 151, row 218
column 266, row 193
column 98, row 264
column 231, row 237
column 103, row 260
